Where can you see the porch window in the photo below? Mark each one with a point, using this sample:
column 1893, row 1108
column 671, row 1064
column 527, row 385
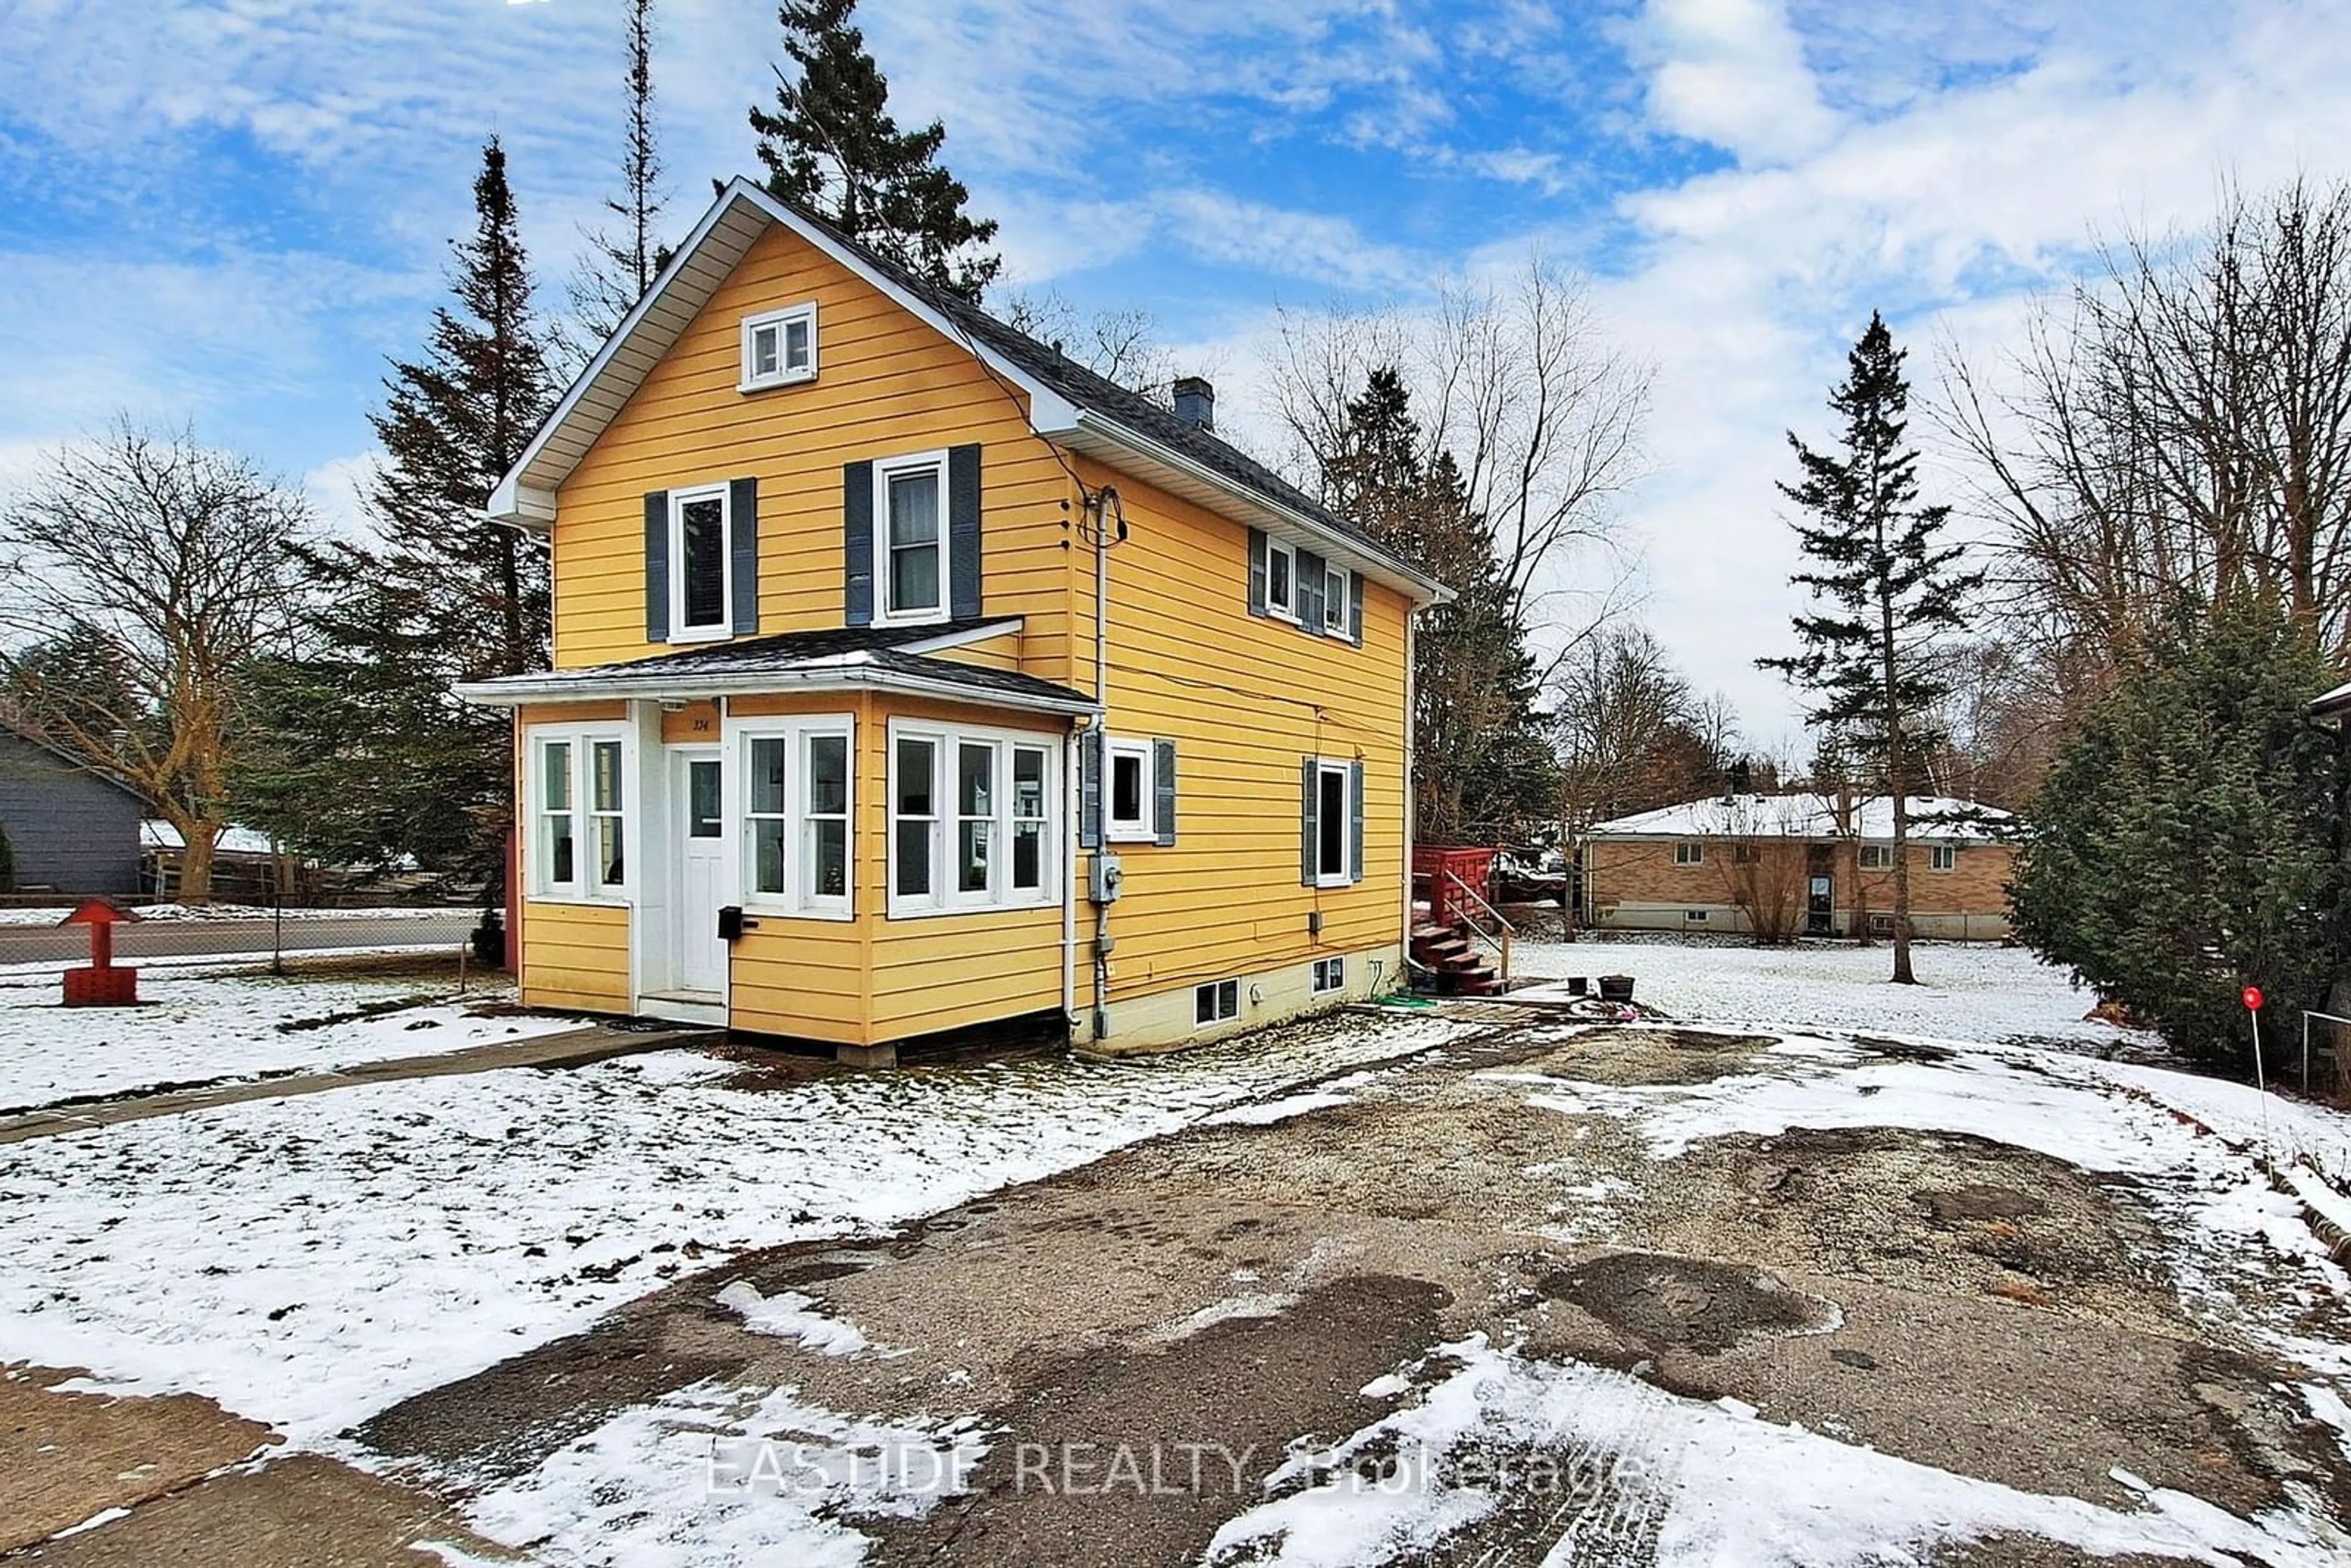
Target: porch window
column 576, row 801
column 557, row 848
column 700, row 563
column 972, row 820
column 911, row 502
column 607, row 871
column 975, row 818
column 1030, row 801
column 797, row 799
column 913, row 818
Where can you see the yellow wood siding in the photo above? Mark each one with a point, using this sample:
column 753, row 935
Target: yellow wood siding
column 576, row 956
column 887, row 386
column 1246, row 699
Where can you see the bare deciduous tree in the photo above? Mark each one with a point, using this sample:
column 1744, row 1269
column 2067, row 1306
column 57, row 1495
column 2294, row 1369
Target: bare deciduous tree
column 1763, row 865
column 143, row 571
column 1541, row 412
column 2177, row 425
column 1119, row 345
column 1633, row 735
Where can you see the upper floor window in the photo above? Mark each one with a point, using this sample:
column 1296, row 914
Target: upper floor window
column 1129, row 789
column 1335, row 600
column 1280, row 580
column 701, row 562
column 910, row 496
column 779, row 347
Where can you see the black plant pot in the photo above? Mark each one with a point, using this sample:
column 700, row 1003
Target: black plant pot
column 1616, row 988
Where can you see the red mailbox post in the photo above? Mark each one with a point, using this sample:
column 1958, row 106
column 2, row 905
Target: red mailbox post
column 101, row 985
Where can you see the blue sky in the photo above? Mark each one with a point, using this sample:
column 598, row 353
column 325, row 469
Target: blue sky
column 230, row 212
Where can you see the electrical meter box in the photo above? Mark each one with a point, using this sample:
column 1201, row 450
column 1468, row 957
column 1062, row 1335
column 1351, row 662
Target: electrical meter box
column 1107, row 878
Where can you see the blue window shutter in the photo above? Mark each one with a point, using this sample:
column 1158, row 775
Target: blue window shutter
column 857, row 541
column 1355, row 608
column 1089, row 788
column 963, row 532
column 1309, row 595
column 1355, row 815
column 657, row 566
column 743, row 520
column 1309, row 791
column 1162, row 791
column 1257, row 571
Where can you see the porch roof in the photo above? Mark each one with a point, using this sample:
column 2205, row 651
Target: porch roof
column 846, row 658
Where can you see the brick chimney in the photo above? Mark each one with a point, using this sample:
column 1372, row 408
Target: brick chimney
column 1196, row 401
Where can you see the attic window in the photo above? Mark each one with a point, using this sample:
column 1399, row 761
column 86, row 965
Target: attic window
column 779, row 347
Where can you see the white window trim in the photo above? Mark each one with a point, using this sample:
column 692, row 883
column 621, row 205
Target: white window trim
column 943, row 900
column 783, row 375
column 885, row 613
column 1344, row 768
column 1686, row 853
column 1335, row 597
column 1884, row 861
column 1217, row 1004
column 1337, row 970
column 1145, row 829
column 1280, row 610
column 679, row 631
column 1943, row 857
column 583, row 888
column 796, row 732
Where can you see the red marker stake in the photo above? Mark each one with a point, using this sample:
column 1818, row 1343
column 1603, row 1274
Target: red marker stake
column 2251, row 997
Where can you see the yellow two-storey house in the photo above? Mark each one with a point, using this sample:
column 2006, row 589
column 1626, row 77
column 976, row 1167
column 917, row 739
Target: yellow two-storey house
column 909, row 677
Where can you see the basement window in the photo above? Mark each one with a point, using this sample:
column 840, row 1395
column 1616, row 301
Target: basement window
column 1329, row 975
column 778, row 347
column 1695, row 917
column 1219, row 1001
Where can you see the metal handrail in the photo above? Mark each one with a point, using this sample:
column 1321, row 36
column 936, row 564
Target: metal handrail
column 2335, row 1049
column 1503, row 943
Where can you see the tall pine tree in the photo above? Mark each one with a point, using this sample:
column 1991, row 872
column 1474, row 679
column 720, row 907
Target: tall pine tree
column 1890, row 591
column 831, row 146
column 363, row 755
column 1484, row 769
column 623, row 259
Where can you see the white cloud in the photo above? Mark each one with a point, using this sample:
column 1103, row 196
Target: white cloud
column 1732, row 72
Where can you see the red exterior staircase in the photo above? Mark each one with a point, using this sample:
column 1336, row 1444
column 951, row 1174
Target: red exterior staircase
column 1452, row 959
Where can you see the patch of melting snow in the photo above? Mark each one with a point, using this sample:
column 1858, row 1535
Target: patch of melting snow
column 1629, row 1466
column 787, row 1317
column 715, row 1473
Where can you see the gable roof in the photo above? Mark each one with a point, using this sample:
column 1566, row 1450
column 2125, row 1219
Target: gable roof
column 1934, row 819
column 1069, row 404
column 11, row 730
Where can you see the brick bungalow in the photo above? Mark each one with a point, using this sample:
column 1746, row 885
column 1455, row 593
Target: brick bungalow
column 1798, row 865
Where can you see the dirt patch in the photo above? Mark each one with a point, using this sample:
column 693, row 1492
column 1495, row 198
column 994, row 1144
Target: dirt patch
column 67, row 1457
column 1236, row 1393
column 1638, row 1055
column 303, row 1511
column 1691, row 1304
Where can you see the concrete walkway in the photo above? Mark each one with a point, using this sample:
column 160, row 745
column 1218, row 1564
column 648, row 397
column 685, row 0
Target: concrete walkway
column 572, row 1048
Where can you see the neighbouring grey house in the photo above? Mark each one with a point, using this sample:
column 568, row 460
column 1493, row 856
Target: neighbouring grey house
column 67, row 831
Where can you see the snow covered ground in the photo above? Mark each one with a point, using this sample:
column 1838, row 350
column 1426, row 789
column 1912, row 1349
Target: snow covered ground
column 198, row 1028
column 309, row 1262
column 1969, row 990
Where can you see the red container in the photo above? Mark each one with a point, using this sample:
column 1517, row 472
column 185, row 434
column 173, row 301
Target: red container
column 1432, row 885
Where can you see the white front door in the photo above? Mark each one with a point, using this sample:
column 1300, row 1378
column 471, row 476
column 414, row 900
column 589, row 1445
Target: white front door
column 697, row 957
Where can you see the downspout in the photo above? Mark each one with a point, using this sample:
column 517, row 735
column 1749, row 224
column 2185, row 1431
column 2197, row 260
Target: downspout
column 1411, row 755
column 1104, row 505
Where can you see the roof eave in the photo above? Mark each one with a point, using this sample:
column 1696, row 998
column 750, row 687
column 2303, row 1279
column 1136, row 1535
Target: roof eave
column 850, row 671
column 1256, row 506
